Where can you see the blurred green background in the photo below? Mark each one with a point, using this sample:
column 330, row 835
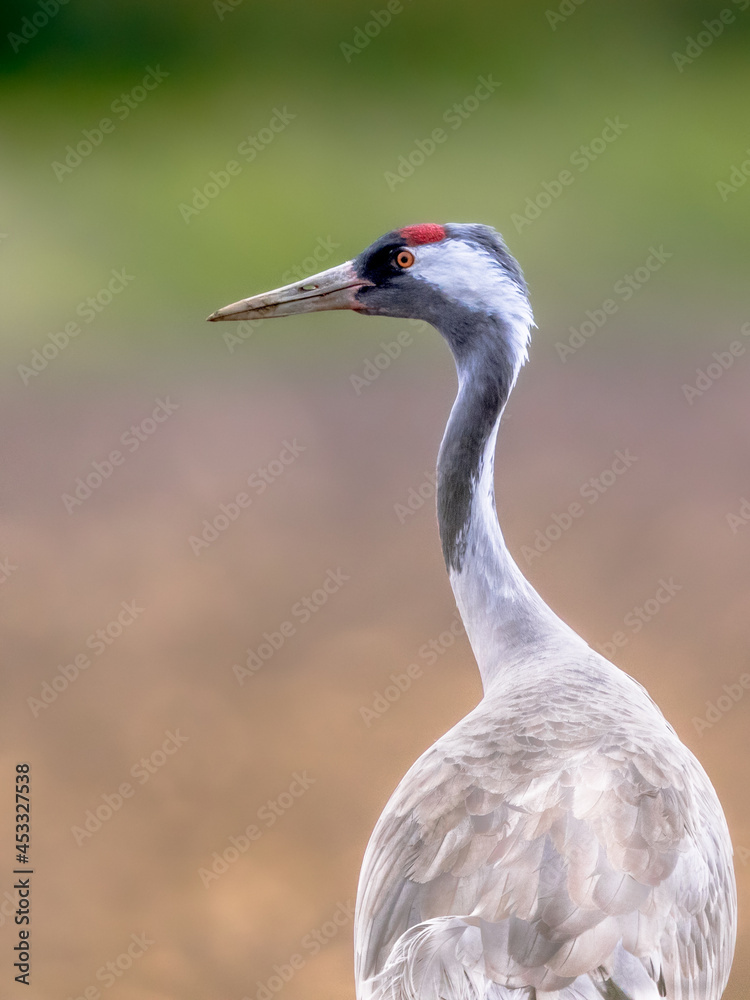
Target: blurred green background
column 356, row 113
column 317, row 190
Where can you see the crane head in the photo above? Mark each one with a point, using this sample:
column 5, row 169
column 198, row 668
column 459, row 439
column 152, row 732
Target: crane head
column 450, row 275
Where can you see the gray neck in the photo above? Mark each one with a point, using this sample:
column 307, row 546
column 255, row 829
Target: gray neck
column 505, row 618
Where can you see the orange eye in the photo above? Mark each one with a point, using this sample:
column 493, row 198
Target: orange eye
column 404, row 258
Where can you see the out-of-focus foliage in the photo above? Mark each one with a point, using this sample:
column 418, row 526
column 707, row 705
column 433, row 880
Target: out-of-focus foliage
column 357, row 112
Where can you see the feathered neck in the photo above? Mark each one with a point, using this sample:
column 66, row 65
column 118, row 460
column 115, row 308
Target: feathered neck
column 505, row 618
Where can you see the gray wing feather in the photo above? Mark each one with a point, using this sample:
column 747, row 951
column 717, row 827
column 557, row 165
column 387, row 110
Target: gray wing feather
column 549, row 853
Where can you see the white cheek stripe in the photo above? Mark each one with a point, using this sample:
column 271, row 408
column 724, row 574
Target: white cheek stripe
column 470, row 277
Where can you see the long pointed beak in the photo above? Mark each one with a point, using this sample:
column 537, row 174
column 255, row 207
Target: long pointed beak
column 335, row 288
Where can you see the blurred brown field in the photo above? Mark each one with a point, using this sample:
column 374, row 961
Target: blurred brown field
column 234, row 856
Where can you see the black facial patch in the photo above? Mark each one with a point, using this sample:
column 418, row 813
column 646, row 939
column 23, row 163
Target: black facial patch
column 376, row 263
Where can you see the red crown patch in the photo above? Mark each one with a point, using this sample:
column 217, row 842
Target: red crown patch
column 429, row 232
